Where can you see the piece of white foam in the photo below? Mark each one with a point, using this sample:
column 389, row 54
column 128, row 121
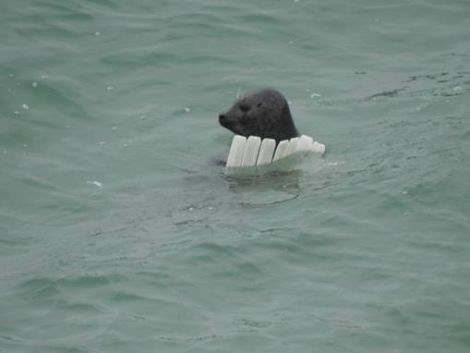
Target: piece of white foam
column 318, row 147
column 304, row 144
column 256, row 152
column 266, row 151
column 292, row 146
column 237, row 150
column 281, row 150
column 251, row 151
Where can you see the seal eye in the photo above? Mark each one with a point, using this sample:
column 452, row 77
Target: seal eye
column 259, row 105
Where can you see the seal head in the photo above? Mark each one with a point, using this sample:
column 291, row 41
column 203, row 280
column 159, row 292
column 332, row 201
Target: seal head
column 263, row 113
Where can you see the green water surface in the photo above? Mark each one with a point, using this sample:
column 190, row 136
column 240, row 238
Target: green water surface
column 119, row 232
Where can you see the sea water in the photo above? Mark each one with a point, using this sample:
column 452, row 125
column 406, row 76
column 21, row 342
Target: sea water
column 120, row 231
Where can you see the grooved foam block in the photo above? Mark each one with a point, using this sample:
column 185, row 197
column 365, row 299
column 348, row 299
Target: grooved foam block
column 237, row 150
column 281, row 150
column 266, row 152
column 292, row 146
column 304, row 144
column 251, row 151
column 256, row 152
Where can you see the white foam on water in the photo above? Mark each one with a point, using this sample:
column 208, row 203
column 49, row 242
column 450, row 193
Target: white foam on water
column 96, row 183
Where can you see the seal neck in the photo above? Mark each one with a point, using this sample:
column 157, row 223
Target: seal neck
column 289, row 130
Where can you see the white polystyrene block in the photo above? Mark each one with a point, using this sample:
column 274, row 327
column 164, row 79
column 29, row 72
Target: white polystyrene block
column 251, row 151
column 281, row 150
column 254, row 151
column 292, row 146
column 266, row 152
column 304, row 144
column 318, row 147
column 237, row 150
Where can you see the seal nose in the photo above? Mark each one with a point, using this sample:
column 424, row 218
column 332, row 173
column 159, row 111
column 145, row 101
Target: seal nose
column 222, row 118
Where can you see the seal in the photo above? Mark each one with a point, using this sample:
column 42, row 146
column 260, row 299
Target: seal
column 264, row 113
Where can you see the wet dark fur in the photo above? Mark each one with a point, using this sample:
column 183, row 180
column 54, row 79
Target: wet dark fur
column 263, row 113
